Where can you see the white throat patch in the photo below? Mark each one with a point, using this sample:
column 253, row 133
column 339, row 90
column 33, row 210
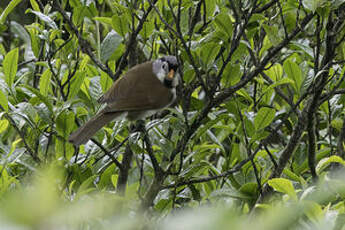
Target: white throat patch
column 160, row 75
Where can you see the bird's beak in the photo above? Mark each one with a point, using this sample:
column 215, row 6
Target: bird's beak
column 171, row 74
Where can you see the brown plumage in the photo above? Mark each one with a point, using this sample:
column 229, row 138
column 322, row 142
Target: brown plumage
column 121, row 95
column 138, row 94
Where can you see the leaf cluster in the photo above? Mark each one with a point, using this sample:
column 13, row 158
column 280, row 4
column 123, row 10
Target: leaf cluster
column 257, row 123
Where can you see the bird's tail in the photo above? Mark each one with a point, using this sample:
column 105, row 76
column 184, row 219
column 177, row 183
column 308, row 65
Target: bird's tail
column 85, row 132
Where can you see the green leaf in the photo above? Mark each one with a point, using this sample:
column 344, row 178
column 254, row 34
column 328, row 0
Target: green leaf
column 313, row 4
column 35, row 42
column 303, row 47
column 337, row 123
column 232, row 74
column 14, row 146
column 106, row 20
column 322, row 153
column 116, row 55
column 3, row 125
column 257, row 18
column 264, row 117
column 240, row 53
column 81, row 12
column 85, row 87
column 278, row 83
column 250, row 189
column 84, row 62
column 3, row 101
column 65, row 123
column 195, row 192
column 35, row 5
column 2, row 49
column 19, row 30
column 313, row 210
column 147, row 29
column 109, row 45
column 10, row 7
column 210, row 7
column 10, row 65
column 259, row 135
column 272, row 33
column 208, row 53
column 308, row 81
column 226, row 192
column 95, row 88
column 284, row 186
column 337, row 3
column 195, row 170
column 293, row 72
column 120, row 25
column 40, row 96
column 45, row 82
column 114, row 179
column 287, row 172
column 106, row 81
column 242, row 92
column 75, row 3
column 266, row 45
column 105, row 178
column 323, row 163
column 224, row 24
column 86, row 187
column 50, row 22
column 275, row 72
column 78, row 15
column 63, row 149
column 76, row 83
column 209, row 124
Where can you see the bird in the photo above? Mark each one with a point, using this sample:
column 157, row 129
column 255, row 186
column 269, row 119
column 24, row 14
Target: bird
column 141, row 92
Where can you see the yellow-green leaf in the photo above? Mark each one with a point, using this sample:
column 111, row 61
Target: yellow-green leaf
column 264, row 117
column 45, row 18
column 275, row 72
column 35, row 5
column 272, row 33
column 106, row 81
column 106, row 20
column 76, row 83
column 120, row 25
column 9, row 8
column 284, row 186
column 64, row 123
column 293, row 72
column 3, row 101
column 109, row 45
column 44, row 82
column 323, row 163
column 3, row 125
column 224, row 24
column 10, row 66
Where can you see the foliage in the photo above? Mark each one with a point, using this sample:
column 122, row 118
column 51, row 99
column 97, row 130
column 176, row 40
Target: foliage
column 257, row 130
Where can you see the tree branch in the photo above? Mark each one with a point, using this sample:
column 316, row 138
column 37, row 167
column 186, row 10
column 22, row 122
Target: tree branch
column 84, row 44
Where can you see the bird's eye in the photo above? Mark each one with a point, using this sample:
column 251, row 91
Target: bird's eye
column 165, row 66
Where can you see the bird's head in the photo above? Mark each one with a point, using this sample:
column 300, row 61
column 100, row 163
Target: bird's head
column 165, row 68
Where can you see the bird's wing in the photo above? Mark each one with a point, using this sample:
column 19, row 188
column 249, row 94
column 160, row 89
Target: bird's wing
column 138, row 89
